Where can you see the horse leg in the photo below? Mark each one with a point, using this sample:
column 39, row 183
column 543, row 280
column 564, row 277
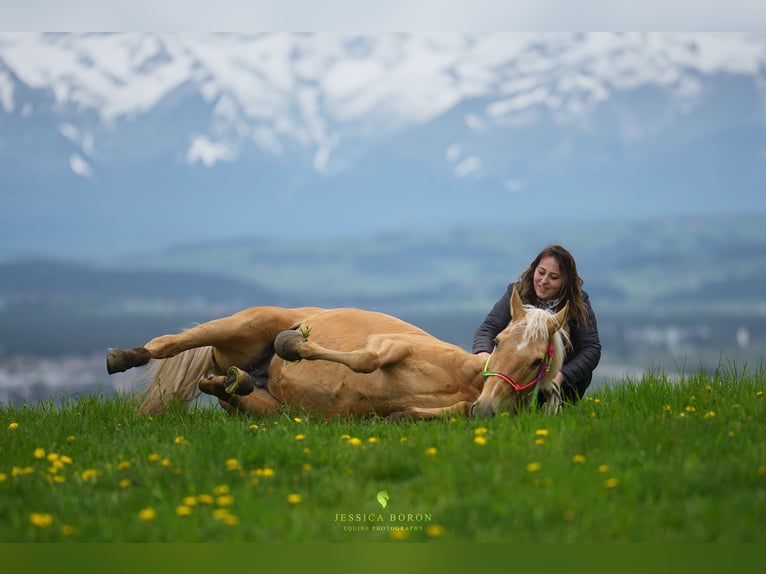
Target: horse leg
column 239, row 339
column 380, row 351
column 257, row 402
column 421, row 413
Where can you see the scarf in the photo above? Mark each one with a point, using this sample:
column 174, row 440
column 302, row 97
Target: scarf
column 549, row 305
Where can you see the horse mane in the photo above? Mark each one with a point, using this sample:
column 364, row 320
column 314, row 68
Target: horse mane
column 534, row 326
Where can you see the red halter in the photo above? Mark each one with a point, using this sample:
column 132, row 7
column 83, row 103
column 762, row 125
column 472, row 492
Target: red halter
column 544, row 370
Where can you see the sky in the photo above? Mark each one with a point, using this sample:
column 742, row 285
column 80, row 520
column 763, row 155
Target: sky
column 391, row 15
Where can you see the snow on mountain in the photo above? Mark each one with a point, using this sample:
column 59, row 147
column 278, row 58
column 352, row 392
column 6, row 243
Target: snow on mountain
column 360, row 124
column 317, row 90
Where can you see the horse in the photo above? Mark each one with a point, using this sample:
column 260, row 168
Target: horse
column 349, row 362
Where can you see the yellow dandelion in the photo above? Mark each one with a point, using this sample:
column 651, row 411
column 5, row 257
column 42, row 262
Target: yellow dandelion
column 372, row 439
column 124, row 483
column 220, row 513
column 593, row 414
column 233, row 464
column 183, row 510
column 298, row 419
column 300, row 437
column 70, row 438
column 539, row 441
column 294, row 498
column 666, row 408
column 90, row 474
column 123, row 465
column 602, row 468
column 205, row 499
column 68, row 530
column 762, row 470
column 225, row 500
column 709, row 415
column 13, row 426
column 190, row 501
column 221, row 489
column 268, row 472
column 597, row 401
column 345, row 436
column 533, row 466
column 3, row 477
column 400, row 534
column 307, row 467
column 180, row 440
column 430, row 451
column 39, row 453
column 541, row 432
column 165, row 462
column 154, row 457
column 480, row 440
column 611, row 482
column 52, row 456
column 41, row 519
column 147, row 514
column 58, row 479
column 354, row 441
column 681, row 415
column 481, row 431
column 758, row 393
column 708, row 388
column 578, row 458
column 691, row 409
column 253, row 427
column 307, row 450
column 435, row 530
column 65, row 459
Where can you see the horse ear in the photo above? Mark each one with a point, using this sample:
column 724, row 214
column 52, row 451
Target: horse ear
column 517, row 307
column 559, row 319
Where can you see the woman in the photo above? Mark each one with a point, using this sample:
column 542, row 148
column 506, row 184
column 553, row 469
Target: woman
column 549, row 282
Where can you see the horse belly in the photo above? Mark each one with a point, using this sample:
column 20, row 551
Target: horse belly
column 330, row 389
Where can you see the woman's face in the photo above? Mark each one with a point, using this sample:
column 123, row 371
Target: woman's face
column 547, row 279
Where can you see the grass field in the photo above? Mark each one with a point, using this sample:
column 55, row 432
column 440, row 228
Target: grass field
column 652, row 460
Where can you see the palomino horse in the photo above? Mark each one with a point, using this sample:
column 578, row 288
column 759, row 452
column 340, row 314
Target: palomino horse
column 349, row 362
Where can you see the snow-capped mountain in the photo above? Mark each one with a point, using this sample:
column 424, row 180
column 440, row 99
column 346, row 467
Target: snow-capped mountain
column 128, row 140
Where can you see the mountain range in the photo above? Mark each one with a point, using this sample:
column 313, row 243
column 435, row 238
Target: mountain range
column 118, row 144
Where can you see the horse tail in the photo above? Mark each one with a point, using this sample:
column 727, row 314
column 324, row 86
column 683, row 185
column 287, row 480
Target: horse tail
column 174, row 380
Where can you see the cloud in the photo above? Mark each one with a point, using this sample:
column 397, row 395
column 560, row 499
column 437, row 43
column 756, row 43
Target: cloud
column 207, row 152
column 80, row 166
column 468, row 166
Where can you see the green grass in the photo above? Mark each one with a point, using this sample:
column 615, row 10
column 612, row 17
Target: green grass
column 643, row 461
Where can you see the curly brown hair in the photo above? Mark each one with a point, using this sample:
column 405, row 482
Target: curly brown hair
column 571, row 286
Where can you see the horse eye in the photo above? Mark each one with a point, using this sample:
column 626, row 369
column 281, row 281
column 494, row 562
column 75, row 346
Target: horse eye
column 537, row 362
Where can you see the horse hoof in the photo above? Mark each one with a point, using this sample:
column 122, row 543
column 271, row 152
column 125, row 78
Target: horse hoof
column 119, row 360
column 287, row 344
column 239, row 382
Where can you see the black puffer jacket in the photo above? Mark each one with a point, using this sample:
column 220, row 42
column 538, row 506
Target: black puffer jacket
column 580, row 360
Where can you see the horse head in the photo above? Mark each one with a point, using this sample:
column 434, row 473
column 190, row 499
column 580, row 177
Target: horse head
column 527, row 355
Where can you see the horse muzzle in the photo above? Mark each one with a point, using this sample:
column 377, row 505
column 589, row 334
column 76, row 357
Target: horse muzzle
column 481, row 410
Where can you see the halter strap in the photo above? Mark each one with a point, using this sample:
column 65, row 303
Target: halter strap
column 544, row 370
